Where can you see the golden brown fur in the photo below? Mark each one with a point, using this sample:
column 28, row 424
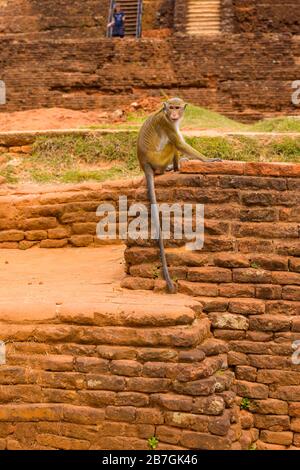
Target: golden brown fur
column 159, row 145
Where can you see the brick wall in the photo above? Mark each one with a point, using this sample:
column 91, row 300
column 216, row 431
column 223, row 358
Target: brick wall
column 169, row 379
column 53, row 18
column 252, row 77
column 271, row 16
column 113, row 379
column 246, row 280
column 158, row 14
column 42, row 216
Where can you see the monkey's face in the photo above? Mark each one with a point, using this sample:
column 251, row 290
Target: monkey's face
column 174, row 109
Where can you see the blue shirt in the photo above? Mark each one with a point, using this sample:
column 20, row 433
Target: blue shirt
column 118, row 18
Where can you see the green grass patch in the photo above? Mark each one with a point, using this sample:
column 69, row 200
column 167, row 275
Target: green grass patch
column 196, row 117
column 287, row 149
column 228, row 148
column 281, row 124
column 250, row 149
column 73, row 158
column 63, row 151
column 78, row 176
column 96, row 157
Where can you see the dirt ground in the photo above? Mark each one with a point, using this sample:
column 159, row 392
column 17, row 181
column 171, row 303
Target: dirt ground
column 38, row 284
column 61, row 118
column 48, row 119
column 52, row 118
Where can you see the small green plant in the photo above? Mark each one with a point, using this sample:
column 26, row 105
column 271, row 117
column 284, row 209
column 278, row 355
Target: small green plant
column 252, row 446
column 254, row 265
column 245, row 404
column 153, row 442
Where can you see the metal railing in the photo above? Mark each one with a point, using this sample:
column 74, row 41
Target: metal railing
column 139, row 19
column 110, row 16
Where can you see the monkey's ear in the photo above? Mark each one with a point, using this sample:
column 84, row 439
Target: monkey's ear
column 165, row 105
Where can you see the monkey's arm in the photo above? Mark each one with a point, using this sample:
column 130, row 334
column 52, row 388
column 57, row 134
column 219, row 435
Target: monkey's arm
column 189, row 151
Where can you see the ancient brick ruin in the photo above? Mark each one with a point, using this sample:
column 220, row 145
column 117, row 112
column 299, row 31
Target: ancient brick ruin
column 246, row 70
column 209, row 368
column 112, row 379
column 246, row 280
column 214, row 366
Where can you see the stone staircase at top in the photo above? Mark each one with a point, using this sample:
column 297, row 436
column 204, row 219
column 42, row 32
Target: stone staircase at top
column 203, row 17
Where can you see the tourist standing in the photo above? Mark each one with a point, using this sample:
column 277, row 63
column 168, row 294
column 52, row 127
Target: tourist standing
column 118, row 22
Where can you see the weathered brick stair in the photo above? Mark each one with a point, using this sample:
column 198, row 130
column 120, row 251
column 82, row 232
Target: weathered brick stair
column 92, row 366
column 246, row 279
column 203, row 17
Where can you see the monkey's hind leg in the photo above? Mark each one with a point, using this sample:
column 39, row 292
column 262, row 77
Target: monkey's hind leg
column 154, row 211
column 174, row 166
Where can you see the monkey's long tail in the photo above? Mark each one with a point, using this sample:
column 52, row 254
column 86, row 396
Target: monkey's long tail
column 155, row 213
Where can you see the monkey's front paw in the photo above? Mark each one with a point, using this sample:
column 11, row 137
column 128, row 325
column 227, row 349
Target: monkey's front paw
column 211, row 160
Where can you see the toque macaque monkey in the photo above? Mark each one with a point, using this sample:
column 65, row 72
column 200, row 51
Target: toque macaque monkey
column 159, row 146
